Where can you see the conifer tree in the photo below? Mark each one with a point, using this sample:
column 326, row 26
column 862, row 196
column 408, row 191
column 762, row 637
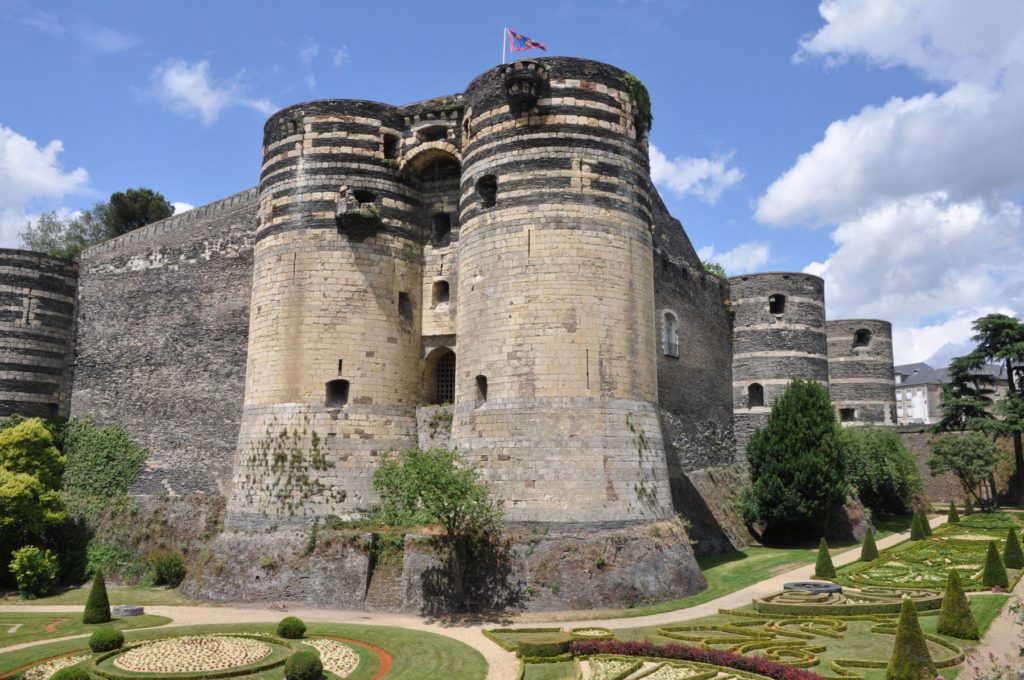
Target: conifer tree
column 97, row 607
column 916, row 529
column 823, row 568
column 953, row 517
column 994, row 573
column 910, row 659
column 925, row 524
column 955, row 617
column 968, row 507
column 1012, row 555
column 869, row 550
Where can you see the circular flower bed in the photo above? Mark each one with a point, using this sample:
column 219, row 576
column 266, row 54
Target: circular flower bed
column 592, row 633
column 46, row 670
column 193, row 654
column 336, row 657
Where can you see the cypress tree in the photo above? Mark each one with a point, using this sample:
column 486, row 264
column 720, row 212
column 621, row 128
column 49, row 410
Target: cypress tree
column 868, row 550
column 910, row 659
column 1012, row 555
column 916, row 530
column 823, row 567
column 953, row 516
column 995, row 572
column 97, row 607
column 955, row 617
column 968, row 507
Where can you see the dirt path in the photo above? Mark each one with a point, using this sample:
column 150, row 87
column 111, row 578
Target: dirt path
column 1002, row 642
column 501, row 664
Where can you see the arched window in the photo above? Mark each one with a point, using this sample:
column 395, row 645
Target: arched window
column 337, row 393
column 487, row 190
column 777, row 303
column 669, row 334
column 441, row 293
column 755, row 395
column 862, row 337
column 444, row 379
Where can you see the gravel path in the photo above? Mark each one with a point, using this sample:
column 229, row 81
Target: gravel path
column 501, row 664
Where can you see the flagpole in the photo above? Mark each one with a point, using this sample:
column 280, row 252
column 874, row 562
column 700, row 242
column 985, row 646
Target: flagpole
column 504, row 34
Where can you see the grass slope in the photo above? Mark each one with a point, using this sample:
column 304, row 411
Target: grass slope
column 142, row 595
column 16, row 628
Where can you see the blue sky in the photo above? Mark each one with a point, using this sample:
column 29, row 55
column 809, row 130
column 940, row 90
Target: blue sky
column 876, row 143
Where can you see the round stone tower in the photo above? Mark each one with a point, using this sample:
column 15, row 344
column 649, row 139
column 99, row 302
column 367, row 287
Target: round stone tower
column 332, row 377
column 37, row 321
column 556, row 388
column 778, row 335
column 860, row 371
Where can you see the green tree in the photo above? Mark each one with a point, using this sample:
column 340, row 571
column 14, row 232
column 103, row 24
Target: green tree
column 966, row 398
column 97, row 606
column 971, row 457
column 882, row 469
column 917, row 532
column 869, row 549
column 66, row 236
column 953, row 517
column 436, row 485
column 1012, row 555
column 28, row 448
column 27, row 510
column 716, row 269
column 823, row 567
column 35, row 571
column 798, row 463
column 955, row 617
column 134, row 208
column 994, row 573
column 968, row 506
column 910, row 659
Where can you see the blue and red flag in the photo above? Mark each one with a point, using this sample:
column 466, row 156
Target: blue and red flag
column 517, row 42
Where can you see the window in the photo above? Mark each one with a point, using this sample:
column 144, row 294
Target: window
column 899, row 395
column 363, row 196
column 337, row 393
column 442, row 229
column 862, row 338
column 755, row 395
column 391, row 145
column 669, row 334
column 441, row 293
column 918, row 391
column 487, row 190
column 777, row 303
column 432, row 133
column 444, row 379
column 899, row 409
column 292, row 126
column 847, row 415
column 481, row 389
column 405, row 316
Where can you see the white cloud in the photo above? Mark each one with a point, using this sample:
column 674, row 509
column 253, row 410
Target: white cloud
column 189, row 90
column 310, row 48
column 310, row 81
column 98, row 38
column 744, row 258
column 340, row 57
column 705, row 178
column 181, row 206
column 30, row 175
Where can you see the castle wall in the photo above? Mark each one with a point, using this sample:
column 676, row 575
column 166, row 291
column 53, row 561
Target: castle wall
column 37, row 315
column 860, row 364
column 163, row 316
column 556, row 300
column 770, row 349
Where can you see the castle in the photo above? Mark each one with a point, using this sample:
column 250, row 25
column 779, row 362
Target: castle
column 495, row 264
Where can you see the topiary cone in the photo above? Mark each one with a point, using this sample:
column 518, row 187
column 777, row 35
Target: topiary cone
column 995, row 572
column 925, row 524
column 823, row 568
column 968, row 507
column 1012, row 555
column 953, row 517
column 868, row 550
column 916, row 529
column 97, row 607
column 955, row 617
column 910, row 659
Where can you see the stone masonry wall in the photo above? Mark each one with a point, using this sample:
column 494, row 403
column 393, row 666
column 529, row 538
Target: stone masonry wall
column 162, row 325
column 860, row 365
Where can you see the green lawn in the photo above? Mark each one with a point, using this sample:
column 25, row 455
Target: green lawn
column 16, row 628
column 416, row 655
column 565, row 670
column 142, row 595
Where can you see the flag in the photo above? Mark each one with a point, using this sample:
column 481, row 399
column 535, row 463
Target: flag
column 517, row 42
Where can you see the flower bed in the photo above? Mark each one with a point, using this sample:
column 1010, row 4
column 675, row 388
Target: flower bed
column 45, row 670
column 193, row 656
column 867, row 600
column 338, row 658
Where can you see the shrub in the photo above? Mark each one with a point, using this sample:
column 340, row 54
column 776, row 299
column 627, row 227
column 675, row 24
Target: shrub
column 953, row 517
column 968, row 506
column 101, row 461
column 994, row 573
column 76, row 672
column 917, row 528
column 869, row 549
column 882, row 469
column 303, row 665
column 28, row 448
column 910, row 659
column 823, row 568
column 544, row 645
column 955, row 616
column 798, row 463
column 106, row 639
column 27, row 510
column 1012, row 555
column 97, row 607
column 291, row 627
column 35, row 571
column 925, row 524
column 166, row 567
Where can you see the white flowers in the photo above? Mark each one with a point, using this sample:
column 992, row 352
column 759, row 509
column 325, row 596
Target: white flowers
column 46, row 670
column 337, row 658
column 591, row 632
column 608, row 669
column 669, row 672
column 192, row 654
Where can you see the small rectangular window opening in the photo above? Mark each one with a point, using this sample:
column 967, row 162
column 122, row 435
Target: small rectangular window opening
column 487, row 189
column 337, row 393
column 481, row 389
column 405, row 315
column 441, row 293
column 776, row 304
column 847, row 415
column 390, row 146
column 442, row 229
